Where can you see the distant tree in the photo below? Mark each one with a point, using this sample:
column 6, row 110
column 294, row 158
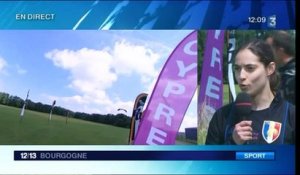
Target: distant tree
column 4, row 98
column 15, row 101
column 201, row 47
column 30, row 105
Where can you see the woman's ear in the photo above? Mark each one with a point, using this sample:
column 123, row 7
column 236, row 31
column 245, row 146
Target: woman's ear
column 271, row 68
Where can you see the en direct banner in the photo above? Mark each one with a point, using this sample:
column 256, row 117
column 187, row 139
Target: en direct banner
column 171, row 96
column 116, row 15
column 211, row 85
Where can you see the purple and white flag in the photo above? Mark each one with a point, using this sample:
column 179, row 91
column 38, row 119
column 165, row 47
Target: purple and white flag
column 211, row 86
column 171, row 96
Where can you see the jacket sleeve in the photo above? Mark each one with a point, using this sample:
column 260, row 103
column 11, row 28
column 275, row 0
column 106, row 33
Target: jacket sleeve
column 288, row 89
column 291, row 125
column 219, row 126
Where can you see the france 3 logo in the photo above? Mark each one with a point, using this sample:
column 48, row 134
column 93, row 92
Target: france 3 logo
column 272, row 21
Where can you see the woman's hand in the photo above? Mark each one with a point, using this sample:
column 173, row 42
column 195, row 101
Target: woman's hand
column 242, row 132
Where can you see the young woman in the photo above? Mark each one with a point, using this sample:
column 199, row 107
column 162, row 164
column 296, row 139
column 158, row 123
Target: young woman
column 272, row 119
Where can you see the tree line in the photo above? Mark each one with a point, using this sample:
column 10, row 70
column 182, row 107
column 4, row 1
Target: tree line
column 119, row 120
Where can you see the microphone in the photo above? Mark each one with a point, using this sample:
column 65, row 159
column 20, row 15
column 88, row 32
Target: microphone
column 243, row 106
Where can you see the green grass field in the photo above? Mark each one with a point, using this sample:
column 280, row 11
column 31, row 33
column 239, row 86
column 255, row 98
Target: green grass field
column 35, row 129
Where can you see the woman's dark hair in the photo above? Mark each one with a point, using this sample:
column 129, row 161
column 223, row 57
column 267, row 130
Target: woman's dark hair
column 266, row 55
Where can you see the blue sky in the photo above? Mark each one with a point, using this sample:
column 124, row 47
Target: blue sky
column 86, row 71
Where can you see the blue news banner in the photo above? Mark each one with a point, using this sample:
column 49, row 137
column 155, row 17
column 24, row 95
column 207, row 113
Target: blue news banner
column 133, row 155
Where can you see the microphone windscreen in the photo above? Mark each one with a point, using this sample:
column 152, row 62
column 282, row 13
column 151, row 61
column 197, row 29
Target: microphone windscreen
column 243, row 105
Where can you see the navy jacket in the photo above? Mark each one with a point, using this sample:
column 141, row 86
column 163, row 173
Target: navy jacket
column 274, row 125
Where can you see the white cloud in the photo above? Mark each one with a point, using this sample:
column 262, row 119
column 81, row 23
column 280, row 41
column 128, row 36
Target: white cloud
column 129, row 58
column 1, row 86
column 124, row 105
column 3, row 64
column 20, row 70
column 93, row 72
column 89, row 69
column 84, row 103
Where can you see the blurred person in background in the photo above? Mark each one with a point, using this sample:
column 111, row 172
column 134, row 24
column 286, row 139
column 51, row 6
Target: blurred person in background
column 283, row 44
